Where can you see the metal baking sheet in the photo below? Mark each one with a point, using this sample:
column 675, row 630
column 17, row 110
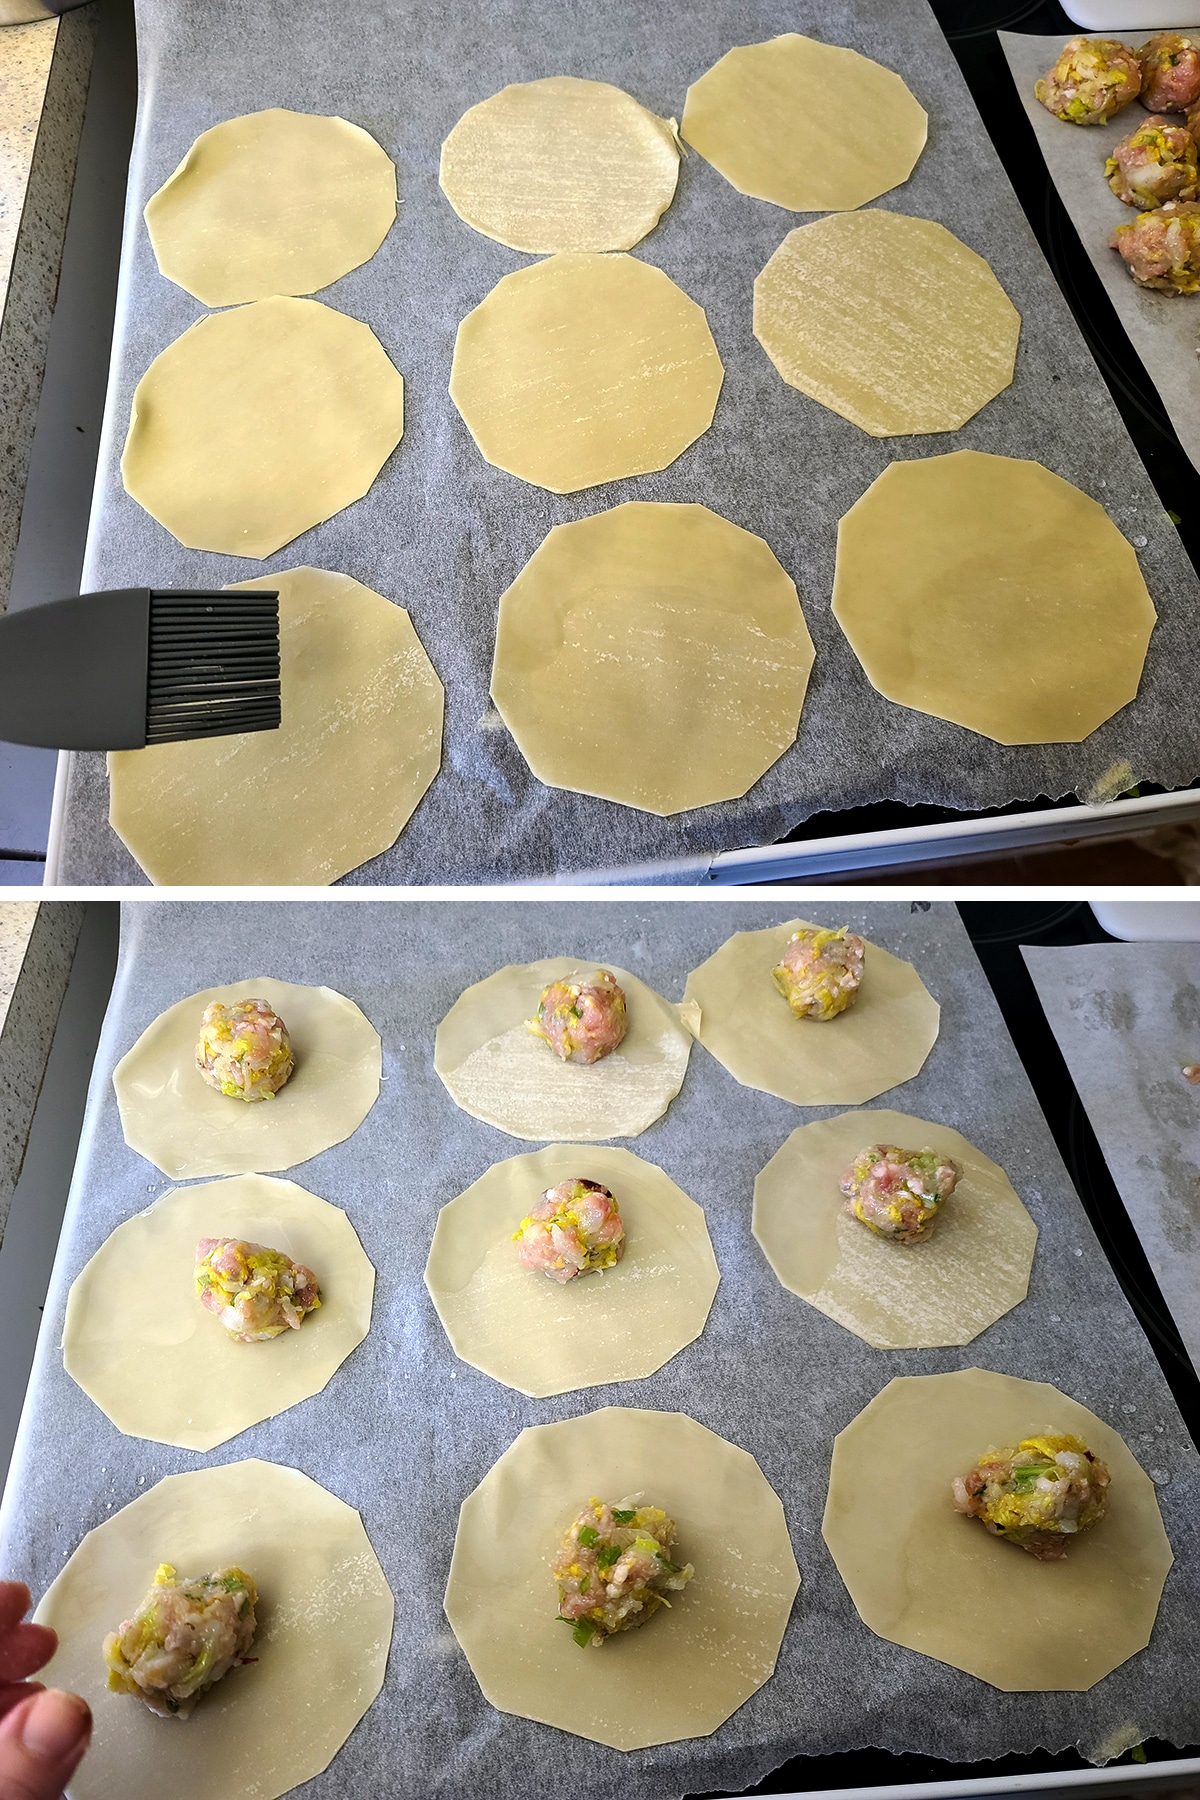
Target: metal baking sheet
column 1127, row 1020
column 404, row 1430
column 1164, row 329
column 444, row 534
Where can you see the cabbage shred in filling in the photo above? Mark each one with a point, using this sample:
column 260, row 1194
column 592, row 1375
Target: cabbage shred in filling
column 614, row 1569
column 1038, row 1496
column 185, row 1636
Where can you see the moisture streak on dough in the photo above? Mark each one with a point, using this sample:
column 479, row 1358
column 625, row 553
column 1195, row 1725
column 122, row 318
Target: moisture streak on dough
column 924, row 1575
column 159, row 1364
column 887, row 320
column 497, row 1070
column 686, row 1670
column 561, row 164
column 617, row 1324
column 359, row 743
column 187, row 1129
column 880, row 1041
column 325, row 1617
column 945, row 1290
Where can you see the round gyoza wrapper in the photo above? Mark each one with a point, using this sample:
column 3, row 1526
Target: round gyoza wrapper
column 924, row 1575
column 187, row 1129
column 272, row 202
column 944, row 1290
column 140, row 1344
column 683, row 1673
column 561, row 164
column 497, row 1070
column 545, row 1337
column 814, row 127
column 732, row 1005
column 325, row 1625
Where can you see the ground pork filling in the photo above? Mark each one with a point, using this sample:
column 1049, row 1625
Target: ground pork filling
column 897, row 1193
column 183, row 1638
column 244, row 1050
column 1155, row 163
column 820, row 972
column 1038, row 1495
column 577, row 1227
column 1092, row 79
column 1170, row 65
column 257, row 1293
column 582, row 1017
column 1162, row 247
column 614, row 1569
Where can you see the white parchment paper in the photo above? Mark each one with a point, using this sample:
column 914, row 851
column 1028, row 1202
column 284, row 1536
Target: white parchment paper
column 1127, row 1020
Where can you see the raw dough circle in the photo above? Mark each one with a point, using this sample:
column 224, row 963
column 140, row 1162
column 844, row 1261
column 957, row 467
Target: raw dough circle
column 809, row 126
column 616, row 1324
column 259, row 423
column 170, row 1115
column 881, row 1041
column 360, row 742
column 139, row 1343
column 703, row 647
column 274, row 202
column 325, row 1625
column 925, row 1576
column 497, row 1070
column 687, row 1670
column 969, row 1273
column 584, row 369
column 561, row 164
column 887, row 320
column 989, row 592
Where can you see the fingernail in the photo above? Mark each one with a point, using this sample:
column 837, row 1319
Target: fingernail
column 55, row 1724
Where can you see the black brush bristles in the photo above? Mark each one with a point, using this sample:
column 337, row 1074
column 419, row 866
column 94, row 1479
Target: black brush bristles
column 213, row 668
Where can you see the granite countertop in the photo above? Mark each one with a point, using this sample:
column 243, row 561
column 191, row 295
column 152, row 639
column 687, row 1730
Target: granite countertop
column 37, row 947
column 44, row 70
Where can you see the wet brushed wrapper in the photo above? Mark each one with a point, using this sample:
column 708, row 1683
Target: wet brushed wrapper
column 404, row 1431
column 444, row 534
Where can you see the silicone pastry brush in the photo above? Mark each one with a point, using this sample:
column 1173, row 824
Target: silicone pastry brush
column 137, row 666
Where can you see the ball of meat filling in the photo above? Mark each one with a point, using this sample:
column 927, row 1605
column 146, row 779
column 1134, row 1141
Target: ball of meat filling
column 582, row 1017
column 1170, row 66
column 820, row 972
column 256, row 1293
column 576, row 1227
column 1155, row 163
column 183, row 1638
column 1038, row 1495
column 1162, row 248
column 615, row 1569
column 1092, row 79
column 244, row 1050
column 897, row 1193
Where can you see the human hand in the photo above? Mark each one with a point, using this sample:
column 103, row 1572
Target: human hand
column 42, row 1734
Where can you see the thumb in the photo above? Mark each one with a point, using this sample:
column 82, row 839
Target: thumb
column 41, row 1742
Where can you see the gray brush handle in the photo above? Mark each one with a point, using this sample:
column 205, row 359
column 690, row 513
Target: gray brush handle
column 73, row 673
